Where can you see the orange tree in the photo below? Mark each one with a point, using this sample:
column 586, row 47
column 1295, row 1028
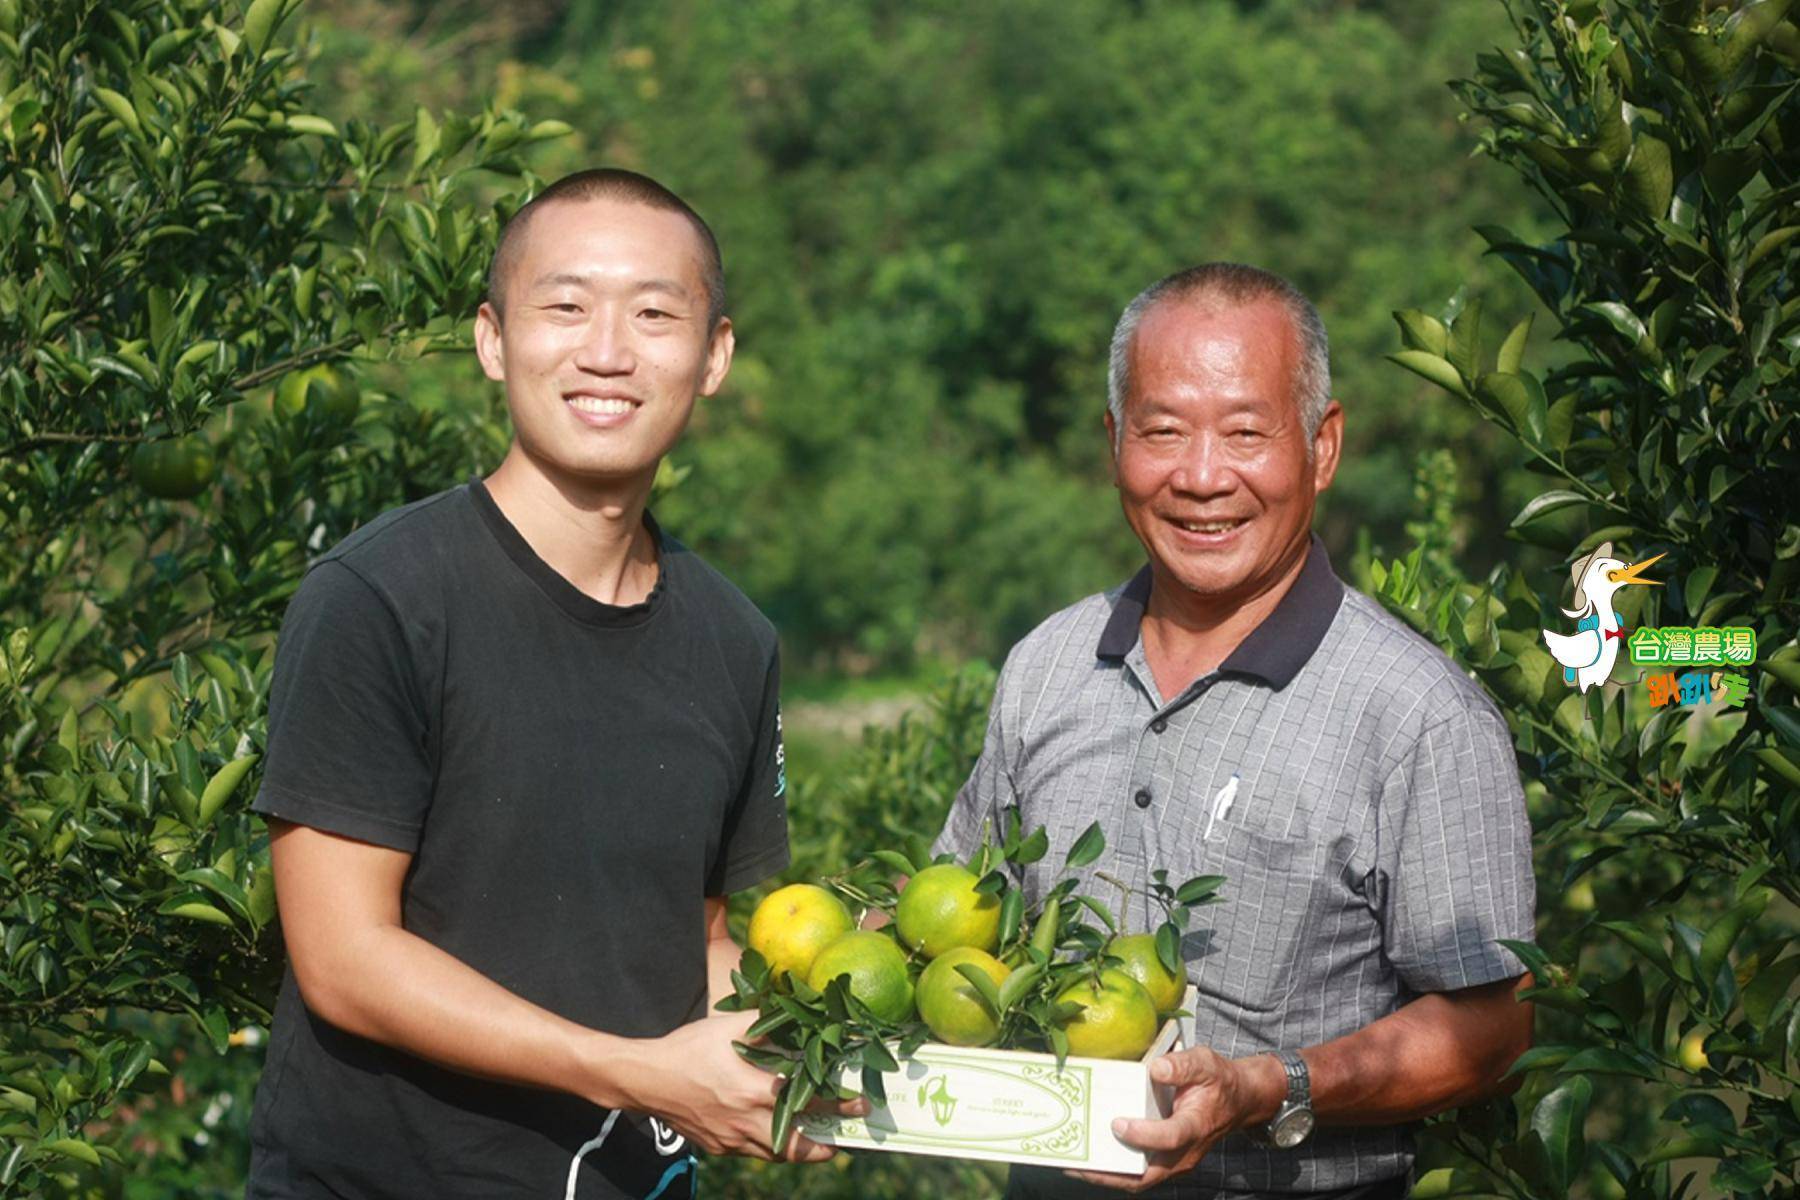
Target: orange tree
column 181, row 239
column 1666, row 138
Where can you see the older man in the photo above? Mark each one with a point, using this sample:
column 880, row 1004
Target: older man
column 1235, row 709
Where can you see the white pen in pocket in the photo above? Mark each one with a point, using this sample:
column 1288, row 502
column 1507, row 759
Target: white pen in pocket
column 1221, row 805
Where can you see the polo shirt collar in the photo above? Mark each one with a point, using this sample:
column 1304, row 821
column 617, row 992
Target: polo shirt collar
column 1276, row 649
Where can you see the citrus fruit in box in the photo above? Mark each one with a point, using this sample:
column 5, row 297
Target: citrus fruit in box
column 940, row 910
column 1138, row 955
column 794, row 923
column 948, row 1002
column 877, row 971
column 1117, row 1017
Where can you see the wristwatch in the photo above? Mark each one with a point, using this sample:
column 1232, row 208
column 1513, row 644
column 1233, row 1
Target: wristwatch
column 1293, row 1121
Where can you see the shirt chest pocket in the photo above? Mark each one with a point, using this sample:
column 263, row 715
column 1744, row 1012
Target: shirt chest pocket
column 1244, row 950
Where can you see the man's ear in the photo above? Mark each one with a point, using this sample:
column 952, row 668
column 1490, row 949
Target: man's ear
column 1328, row 442
column 1112, row 444
column 718, row 357
column 487, row 342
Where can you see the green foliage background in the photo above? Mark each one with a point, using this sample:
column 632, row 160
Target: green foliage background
column 931, row 215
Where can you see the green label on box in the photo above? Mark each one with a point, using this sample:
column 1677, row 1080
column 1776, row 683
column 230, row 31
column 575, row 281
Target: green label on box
column 946, row 1100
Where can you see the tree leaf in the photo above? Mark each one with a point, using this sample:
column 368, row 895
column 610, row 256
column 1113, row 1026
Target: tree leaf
column 1621, row 318
column 1442, row 1183
column 1540, row 1057
column 1744, row 1175
column 876, row 1054
column 1014, row 987
column 1768, row 990
column 1785, row 720
column 1433, row 368
column 1035, row 845
column 1698, row 583
column 1558, row 1120
column 1197, row 889
column 1716, row 946
column 1559, row 422
column 219, row 885
column 1088, row 847
column 260, row 22
column 1701, row 1146
column 1521, row 398
column 1512, row 350
column 1701, row 1112
column 895, row 861
column 1100, row 910
column 984, row 987
column 306, row 123
column 769, row 1022
column 1604, row 1060
column 221, row 786
column 73, row 1148
column 1421, row 331
column 120, row 107
column 1542, row 506
column 136, row 1059
column 1464, row 349
column 1012, row 911
column 193, row 907
column 1649, row 182
column 795, row 1095
column 1168, row 947
column 216, row 1024
column 68, row 734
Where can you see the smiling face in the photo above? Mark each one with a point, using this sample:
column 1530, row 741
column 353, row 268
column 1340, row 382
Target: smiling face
column 604, row 344
column 1212, row 466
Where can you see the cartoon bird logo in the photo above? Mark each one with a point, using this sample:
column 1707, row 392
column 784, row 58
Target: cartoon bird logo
column 1588, row 655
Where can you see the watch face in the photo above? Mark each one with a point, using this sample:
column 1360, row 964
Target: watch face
column 1294, row 1128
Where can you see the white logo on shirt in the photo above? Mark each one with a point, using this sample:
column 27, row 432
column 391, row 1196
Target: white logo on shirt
column 667, row 1140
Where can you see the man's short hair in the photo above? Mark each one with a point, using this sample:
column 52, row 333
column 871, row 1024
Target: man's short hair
column 608, row 183
column 1229, row 285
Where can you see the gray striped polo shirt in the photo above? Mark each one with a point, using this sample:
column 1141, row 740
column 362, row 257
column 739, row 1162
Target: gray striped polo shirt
column 1376, row 846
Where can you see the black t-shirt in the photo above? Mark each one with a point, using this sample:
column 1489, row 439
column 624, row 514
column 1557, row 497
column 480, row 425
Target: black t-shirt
column 573, row 778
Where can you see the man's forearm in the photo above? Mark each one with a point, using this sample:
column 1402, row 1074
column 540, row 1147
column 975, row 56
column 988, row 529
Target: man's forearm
column 1441, row 1051
column 393, row 987
column 722, row 957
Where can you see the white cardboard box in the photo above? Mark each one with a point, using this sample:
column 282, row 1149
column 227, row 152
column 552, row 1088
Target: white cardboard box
column 1008, row 1106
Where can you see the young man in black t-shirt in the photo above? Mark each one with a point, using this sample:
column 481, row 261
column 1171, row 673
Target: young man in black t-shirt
column 522, row 744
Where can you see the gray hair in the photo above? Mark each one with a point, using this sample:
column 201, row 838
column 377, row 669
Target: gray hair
column 1229, row 285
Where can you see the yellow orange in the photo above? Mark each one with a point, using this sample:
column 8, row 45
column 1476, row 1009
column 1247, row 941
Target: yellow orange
column 794, row 923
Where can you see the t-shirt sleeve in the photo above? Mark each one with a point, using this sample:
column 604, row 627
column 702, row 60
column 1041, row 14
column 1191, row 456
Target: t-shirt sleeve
column 1454, row 856
column 988, row 792
column 754, row 845
column 349, row 740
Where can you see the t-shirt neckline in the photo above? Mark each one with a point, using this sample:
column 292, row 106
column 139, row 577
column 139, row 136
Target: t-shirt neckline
column 565, row 595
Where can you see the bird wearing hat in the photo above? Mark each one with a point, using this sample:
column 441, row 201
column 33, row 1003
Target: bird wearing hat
column 1587, row 656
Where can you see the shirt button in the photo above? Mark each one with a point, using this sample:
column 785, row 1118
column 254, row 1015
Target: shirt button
column 1142, row 798
column 1159, row 725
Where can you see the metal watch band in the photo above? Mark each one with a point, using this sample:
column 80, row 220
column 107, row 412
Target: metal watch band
column 1296, row 1108
column 1298, row 1081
